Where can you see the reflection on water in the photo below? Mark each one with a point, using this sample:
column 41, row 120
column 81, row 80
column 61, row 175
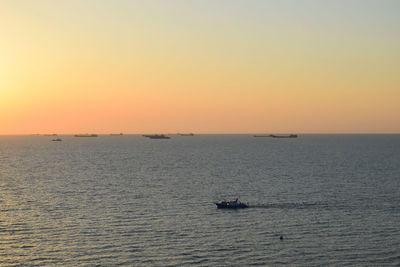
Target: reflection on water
column 129, row 200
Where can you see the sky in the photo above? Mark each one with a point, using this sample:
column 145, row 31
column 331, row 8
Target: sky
column 205, row 66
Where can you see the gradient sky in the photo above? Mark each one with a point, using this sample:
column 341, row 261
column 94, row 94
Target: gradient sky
column 201, row 66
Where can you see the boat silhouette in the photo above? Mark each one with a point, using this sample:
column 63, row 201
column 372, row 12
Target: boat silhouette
column 234, row 204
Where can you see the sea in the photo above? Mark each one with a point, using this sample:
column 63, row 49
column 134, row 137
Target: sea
column 315, row 200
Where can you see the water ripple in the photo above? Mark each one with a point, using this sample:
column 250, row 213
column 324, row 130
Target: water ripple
column 133, row 202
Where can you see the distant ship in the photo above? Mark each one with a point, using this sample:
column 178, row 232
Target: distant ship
column 86, row 135
column 57, row 139
column 188, row 134
column 117, row 134
column 157, row 136
column 278, row 136
column 284, row 136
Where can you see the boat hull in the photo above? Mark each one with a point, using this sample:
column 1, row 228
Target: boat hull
column 231, row 205
column 156, row 136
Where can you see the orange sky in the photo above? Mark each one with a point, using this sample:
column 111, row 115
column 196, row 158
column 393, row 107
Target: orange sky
column 199, row 66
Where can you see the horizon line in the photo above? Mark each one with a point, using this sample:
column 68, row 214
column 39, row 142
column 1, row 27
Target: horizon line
column 177, row 133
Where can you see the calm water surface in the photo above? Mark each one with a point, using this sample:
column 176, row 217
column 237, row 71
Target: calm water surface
column 128, row 200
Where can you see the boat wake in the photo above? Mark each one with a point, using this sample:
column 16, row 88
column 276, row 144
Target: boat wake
column 300, row 205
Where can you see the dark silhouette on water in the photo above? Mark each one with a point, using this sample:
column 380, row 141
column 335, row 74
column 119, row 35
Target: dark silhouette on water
column 301, row 205
column 278, row 136
column 157, row 136
column 284, row 136
column 234, row 204
column 188, row 134
column 86, row 135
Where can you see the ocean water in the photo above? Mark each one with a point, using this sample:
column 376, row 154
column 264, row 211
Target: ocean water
column 131, row 201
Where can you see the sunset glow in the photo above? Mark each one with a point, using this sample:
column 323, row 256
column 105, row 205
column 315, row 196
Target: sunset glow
column 199, row 66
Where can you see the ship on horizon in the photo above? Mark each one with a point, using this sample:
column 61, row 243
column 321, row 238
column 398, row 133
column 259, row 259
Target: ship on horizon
column 156, row 136
column 278, row 136
column 85, row 135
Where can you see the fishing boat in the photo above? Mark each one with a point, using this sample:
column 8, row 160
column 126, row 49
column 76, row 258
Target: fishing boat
column 234, row 204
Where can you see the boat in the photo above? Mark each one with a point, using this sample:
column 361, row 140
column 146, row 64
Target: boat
column 284, row 136
column 234, row 204
column 85, row 135
column 157, row 136
column 57, row 139
column 188, row 134
column 278, row 136
column 117, row 134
